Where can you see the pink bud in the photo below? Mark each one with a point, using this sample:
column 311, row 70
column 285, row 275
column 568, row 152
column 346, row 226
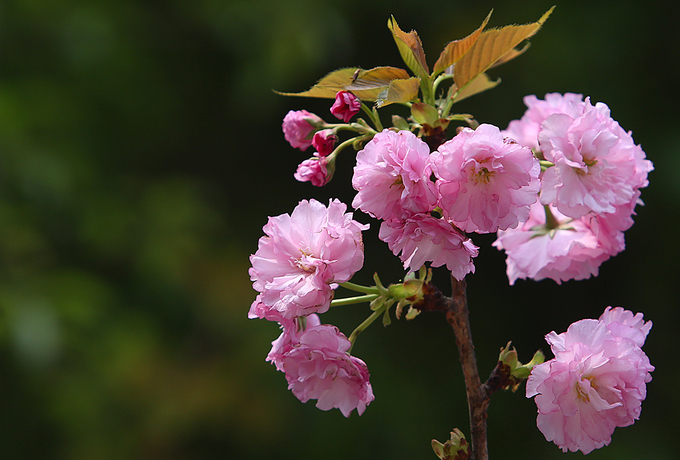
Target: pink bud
column 298, row 126
column 346, row 106
column 313, row 170
column 324, row 142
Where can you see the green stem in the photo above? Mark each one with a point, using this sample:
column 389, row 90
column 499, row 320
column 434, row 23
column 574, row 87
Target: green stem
column 353, row 300
column 551, row 222
column 367, row 322
column 439, row 80
column 359, row 288
column 373, row 115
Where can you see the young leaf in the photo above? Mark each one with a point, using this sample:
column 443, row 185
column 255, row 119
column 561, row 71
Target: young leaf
column 369, row 84
column 410, row 48
column 480, row 83
column 402, row 90
column 424, row 114
column 457, row 48
column 491, row 46
column 329, row 85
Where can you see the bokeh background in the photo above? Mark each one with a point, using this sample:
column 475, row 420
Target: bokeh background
column 140, row 155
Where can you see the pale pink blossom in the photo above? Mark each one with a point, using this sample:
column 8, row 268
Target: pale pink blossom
column 324, row 142
column 485, row 182
column 596, row 382
column 303, row 258
column 567, row 249
column 346, row 105
column 623, row 323
column 314, row 170
column 298, row 127
column 422, row 238
column 318, row 366
column 597, row 164
column 525, row 131
column 392, row 176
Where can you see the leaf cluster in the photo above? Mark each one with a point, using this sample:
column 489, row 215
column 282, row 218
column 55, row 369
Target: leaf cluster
column 464, row 61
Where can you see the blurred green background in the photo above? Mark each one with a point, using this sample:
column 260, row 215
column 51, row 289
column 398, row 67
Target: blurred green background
column 140, row 155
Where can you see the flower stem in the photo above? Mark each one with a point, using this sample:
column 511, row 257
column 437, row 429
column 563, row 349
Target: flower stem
column 359, row 288
column 367, row 322
column 353, row 300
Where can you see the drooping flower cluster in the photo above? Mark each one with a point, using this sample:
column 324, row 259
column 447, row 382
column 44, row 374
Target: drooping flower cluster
column 596, row 382
column 318, row 366
column 588, row 191
column 298, row 265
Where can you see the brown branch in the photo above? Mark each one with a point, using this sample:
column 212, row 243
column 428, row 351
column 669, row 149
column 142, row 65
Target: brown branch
column 477, row 394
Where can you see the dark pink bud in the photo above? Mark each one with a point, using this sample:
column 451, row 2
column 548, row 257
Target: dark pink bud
column 324, row 142
column 346, row 106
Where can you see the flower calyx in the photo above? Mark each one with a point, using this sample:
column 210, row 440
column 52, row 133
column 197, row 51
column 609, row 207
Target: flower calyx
column 455, row 448
column 509, row 372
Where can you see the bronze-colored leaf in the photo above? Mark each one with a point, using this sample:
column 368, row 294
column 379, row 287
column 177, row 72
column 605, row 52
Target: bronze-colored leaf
column 410, row 48
column 330, row 84
column 491, row 46
column 457, row 48
column 510, row 55
column 402, row 90
column 370, row 83
column 480, row 83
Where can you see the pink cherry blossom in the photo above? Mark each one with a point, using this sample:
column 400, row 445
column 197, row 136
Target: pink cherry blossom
column 623, row 323
column 313, row 170
column 302, row 259
column 567, row 249
column 392, row 176
column 346, row 105
column 597, row 164
column 317, row 366
column 596, row 382
column 485, row 182
column 422, row 238
column 525, row 131
column 298, row 126
column 324, row 142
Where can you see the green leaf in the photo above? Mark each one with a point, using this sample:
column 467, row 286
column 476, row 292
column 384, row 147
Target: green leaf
column 424, row 114
column 480, row 83
column 329, row 85
column 399, row 91
column 410, row 48
column 491, row 46
column 384, row 84
column 457, row 48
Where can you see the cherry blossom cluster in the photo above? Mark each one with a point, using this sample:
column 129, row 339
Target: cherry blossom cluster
column 595, row 383
column 588, row 192
column 298, row 265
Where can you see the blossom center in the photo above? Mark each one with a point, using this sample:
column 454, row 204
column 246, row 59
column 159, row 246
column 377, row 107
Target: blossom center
column 308, row 263
column 482, row 175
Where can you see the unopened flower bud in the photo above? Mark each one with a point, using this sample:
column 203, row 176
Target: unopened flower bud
column 298, row 126
column 318, row 171
column 324, row 142
column 346, row 105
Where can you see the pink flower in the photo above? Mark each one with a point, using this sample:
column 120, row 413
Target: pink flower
column 525, row 131
column 318, row 366
column 485, row 182
column 422, row 238
column 622, row 323
column 566, row 249
column 324, row 142
column 313, row 170
column 597, row 164
column 392, row 176
column 346, row 105
column 298, row 126
column 596, row 382
column 303, row 258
